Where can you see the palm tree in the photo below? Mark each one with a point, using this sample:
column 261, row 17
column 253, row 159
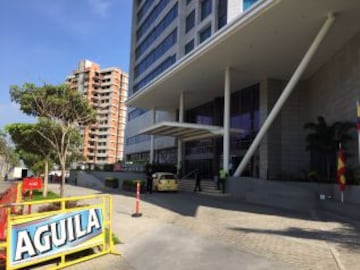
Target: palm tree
column 323, row 143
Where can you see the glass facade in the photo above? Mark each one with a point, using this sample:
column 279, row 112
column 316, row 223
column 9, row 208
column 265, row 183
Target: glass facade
column 135, row 113
column 248, row 3
column 157, row 31
column 189, row 46
column 137, row 139
column 190, row 21
column 155, row 72
column 145, row 8
column 206, row 154
column 150, row 19
column 205, row 8
column 205, row 34
column 222, row 13
column 156, row 53
column 244, row 115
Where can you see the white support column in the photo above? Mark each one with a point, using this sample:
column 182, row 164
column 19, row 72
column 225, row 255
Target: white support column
column 181, row 119
column 226, row 138
column 152, row 139
column 286, row 93
column 181, row 108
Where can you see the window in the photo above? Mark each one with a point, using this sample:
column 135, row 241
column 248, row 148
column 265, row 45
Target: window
column 190, row 21
column 147, row 5
column 222, row 13
column 154, row 14
column 189, row 46
column 156, row 53
column 205, row 9
column 205, row 34
column 156, row 71
column 248, row 3
column 137, row 139
column 157, row 31
column 188, row 2
column 135, row 113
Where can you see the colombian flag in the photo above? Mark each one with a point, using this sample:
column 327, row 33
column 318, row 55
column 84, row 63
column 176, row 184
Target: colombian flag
column 358, row 115
column 341, row 169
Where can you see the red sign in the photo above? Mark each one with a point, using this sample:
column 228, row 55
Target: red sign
column 32, row 183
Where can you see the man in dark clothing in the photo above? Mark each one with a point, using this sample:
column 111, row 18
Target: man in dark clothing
column 149, row 182
column 197, row 181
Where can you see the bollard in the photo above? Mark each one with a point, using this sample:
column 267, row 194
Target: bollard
column 137, row 206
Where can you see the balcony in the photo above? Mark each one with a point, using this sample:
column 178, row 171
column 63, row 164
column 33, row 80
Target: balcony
column 102, row 147
column 101, row 155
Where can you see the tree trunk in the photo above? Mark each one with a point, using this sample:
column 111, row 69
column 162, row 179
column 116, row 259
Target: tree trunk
column 46, row 178
column 62, row 183
column 2, row 162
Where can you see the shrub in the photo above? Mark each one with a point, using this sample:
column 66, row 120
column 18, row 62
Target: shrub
column 130, row 185
column 115, row 239
column 38, row 196
column 108, row 167
column 111, row 182
column 57, row 205
column 163, row 167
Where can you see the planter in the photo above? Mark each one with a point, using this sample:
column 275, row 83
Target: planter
column 111, row 182
column 130, row 185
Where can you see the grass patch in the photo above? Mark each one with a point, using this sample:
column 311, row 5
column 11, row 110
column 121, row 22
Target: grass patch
column 115, row 239
column 38, row 196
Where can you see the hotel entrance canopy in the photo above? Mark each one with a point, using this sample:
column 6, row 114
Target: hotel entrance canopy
column 186, row 131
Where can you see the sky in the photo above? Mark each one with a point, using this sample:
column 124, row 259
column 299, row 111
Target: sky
column 42, row 41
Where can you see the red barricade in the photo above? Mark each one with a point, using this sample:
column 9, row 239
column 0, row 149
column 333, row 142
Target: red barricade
column 9, row 196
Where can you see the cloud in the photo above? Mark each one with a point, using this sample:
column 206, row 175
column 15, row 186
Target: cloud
column 100, row 7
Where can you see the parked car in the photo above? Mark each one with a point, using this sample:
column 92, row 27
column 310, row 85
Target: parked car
column 163, row 181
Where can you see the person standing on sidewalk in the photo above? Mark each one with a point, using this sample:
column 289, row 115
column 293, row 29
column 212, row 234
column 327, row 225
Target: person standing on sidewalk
column 222, row 179
column 149, row 182
column 197, row 181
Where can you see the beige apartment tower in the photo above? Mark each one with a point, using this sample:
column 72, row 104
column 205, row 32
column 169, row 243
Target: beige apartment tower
column 106, row 90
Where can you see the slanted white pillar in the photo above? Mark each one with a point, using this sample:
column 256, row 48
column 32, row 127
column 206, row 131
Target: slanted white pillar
column 181, row 120
column 286, row 93
column 152, row 137
column 226, row 138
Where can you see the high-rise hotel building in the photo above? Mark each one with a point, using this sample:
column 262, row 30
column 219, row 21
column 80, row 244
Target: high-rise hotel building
column 231, row 83
column 163, row 32
column 106, row 90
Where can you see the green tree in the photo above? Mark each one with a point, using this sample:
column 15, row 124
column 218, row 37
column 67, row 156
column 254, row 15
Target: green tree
column 33, row 149
column 323, row 142
column 8, row 157
column 61, row 111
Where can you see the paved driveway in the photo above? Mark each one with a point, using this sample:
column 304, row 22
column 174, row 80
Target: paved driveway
column 193, row 231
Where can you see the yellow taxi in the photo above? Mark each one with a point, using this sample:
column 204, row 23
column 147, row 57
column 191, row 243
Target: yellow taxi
column 163, row 181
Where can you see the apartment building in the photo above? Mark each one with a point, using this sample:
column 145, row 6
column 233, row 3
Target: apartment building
column 106, row 90
column 216, row 83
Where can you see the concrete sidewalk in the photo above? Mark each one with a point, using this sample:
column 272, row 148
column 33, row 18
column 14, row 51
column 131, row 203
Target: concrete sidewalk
column 223, row 233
